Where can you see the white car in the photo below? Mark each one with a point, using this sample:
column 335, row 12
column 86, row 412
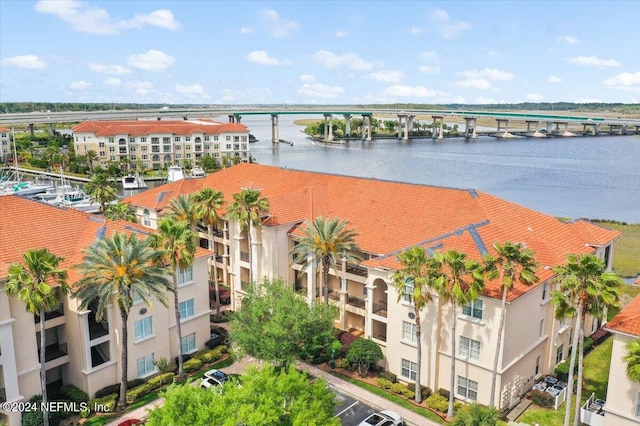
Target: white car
column 383, row 418
column 213, row 378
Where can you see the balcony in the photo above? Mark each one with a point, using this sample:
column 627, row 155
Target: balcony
column 334, row 294
column 353, row 269
column 380, row 309
column 358, row 302
column 97, row 329
column 244, row 256
column 54, row 351
column 58, row 312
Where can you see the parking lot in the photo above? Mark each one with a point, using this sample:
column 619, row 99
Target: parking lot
column 350, row 411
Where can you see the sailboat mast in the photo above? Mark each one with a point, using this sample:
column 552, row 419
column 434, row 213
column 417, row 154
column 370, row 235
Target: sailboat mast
column 15, row 154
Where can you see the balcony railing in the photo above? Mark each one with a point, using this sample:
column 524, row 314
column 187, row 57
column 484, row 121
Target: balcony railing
column 334, row 294
column 50, row 315
column 355, row 301
column 380, row 309
column 353, row 269
column 97, row 329
column 54, row 351
column 244, row 256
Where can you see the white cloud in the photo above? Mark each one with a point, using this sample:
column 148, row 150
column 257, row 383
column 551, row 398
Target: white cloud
column 474, row 83
column 625, row 81
column 112, row 82
column 428, row 69
column 80, row 85
column 151, row 60
column 317, row 90
column 109, row 69
column 405, row 91
column 415, row 31
column 349, row 60
column 190, row 90
column 139, row 87
column 251, row 95
column 388, row 76
column 568, row 39
column 429, row 55
column 307, row 78
column 593, row 61
column 341, row 34
column 93, row 20
column 277, row 27
column 554, row 79
column 534, row 97
column 492, row 74
column 31, row 62
column 485, row 101
column 245, row 30
column 446, row 27
column 261, row 57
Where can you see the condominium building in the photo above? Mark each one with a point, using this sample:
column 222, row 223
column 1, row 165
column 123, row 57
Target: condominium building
column 79, row 349
column 5, row 143
column 390, row 217
column 622, row 407
column 149, row 144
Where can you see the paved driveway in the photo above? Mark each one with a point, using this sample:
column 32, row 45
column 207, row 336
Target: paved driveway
column 351, row 411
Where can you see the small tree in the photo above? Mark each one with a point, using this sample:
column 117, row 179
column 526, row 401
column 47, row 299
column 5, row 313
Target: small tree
column 476, row 415
column 364, row 354
column 632, row 358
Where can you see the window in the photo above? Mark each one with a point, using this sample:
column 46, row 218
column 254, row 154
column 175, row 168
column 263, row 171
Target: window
column 467, row 389
column 537, row 366
column 132, row 140
column 407, row 294
column 185, row 275
column 545, row 291
column 143, row 327
column 135, row 297
column 541, row 330
column 176, row 139
column 206, row 137
column 187, row 309
column 228, row 138
column 469, row 348
column 189, row 343
column 155, row 141
column 145, row 365
column 473, row 309
column 409, row 332
column 187, row 138
column 143, row 139
column 146, row 220
column 215, row 138
column 166, row 139
column 559, row 354
column 111, row 140
column 408, row 369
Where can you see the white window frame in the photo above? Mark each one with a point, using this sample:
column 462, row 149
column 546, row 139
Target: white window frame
column 143, row 328
column 469, row 348
column 409, row 332
column 189, row 343
column 407, row 293
column 145, row 366
column 146, row 216
column 184, row 276
column 545, row 292
column 537, row 370
column 410, row 368
column 473, row 308
column 559, row 354
column 541, row 328
column 465, row 389
column 187, row 309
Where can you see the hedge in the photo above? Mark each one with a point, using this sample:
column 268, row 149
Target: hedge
column 193, row 364
column 541, row 398
column 438, row 402
column 74, row 394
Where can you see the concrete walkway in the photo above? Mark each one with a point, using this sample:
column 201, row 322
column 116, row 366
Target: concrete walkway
column 375, row 401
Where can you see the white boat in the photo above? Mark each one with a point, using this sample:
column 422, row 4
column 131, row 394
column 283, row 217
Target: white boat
column 26, row 187
column 133, row 182
column 197, row 172
column 76, row 199
column 174, row 173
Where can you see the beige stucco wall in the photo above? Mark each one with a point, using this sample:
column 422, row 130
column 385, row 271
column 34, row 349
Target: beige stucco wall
column 622, row 393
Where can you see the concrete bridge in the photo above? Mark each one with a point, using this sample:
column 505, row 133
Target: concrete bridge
column 538, row 125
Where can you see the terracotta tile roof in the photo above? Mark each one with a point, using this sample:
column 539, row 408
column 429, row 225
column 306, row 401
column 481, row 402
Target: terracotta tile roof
column 4, row 129
column 391, row 216
column 26, row 224
column 148, row 127
column 628, row 319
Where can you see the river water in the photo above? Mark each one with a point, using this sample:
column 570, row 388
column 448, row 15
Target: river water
column 578, row 177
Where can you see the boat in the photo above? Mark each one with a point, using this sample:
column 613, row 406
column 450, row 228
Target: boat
column 25, row 187
column 133, row 182
column 76, row 199
column 174, row 173
column 197, row 172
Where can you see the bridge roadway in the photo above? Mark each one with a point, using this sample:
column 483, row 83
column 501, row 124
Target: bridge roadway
column 235, row 113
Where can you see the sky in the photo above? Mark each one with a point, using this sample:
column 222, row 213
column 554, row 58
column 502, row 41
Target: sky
column 319, row 52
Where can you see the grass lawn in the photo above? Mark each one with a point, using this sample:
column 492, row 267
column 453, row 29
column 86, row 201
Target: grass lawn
column 626, row 258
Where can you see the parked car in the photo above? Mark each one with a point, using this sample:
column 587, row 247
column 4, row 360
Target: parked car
column 383, row 418
column 213, row 378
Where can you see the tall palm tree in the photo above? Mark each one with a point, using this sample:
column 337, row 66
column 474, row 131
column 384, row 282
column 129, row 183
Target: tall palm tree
column 417, row 277
column 120, row 211
column 117, row 268
column 183, row 209
column 246, row 208
column 324, row 240
column 101, row 190
column 585, row 287
column 513, row 264
column 91, row 156
column 632, row 358
column 38, row 284
column 177, row 244
column 460, row 282
column 208, row 203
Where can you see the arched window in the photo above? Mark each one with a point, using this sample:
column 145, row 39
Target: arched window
column 146, row 219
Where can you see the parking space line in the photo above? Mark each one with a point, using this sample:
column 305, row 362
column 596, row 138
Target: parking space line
column 348, row 408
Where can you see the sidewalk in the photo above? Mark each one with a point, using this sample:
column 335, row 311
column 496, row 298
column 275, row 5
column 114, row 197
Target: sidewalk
column 377, row 402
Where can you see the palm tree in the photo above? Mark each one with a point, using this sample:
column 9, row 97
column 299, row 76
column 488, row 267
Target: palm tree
column 208, row 203
column 120, row 211
column 460, row 282
column 176, row 242
column 632, row 358
column 39, row 284
column 476, row 415
column 183, row 209
column 91, row 156
column 324, row 240
column 416, row 278
column 119, row 267
column 246, row 209
column 513, row 264
column 101, row 190
column 585, row 287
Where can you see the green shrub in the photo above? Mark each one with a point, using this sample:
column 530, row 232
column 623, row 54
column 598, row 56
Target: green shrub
column 401, row 389
column 389, row 376
column 219, row 351
column 444, row 393
column 562, row 371
column 424, row 390
column 206, row 356
column 588, row 345
column 364, row 354
column 74, row 394
column 438, row 402
column 193, row 364
column 138, row 392
column 384, row 383
column 342, row 363
column 107, row 402
column 161, row 380
column 164, row 365
column 541, row 398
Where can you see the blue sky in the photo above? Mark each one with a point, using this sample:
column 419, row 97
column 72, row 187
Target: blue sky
column 321, row 52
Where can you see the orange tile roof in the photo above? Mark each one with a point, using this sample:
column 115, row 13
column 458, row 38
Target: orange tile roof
column 148, row 127
column 391, row 216
column 4, row 129
column 628, row 319
column 27, row 224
